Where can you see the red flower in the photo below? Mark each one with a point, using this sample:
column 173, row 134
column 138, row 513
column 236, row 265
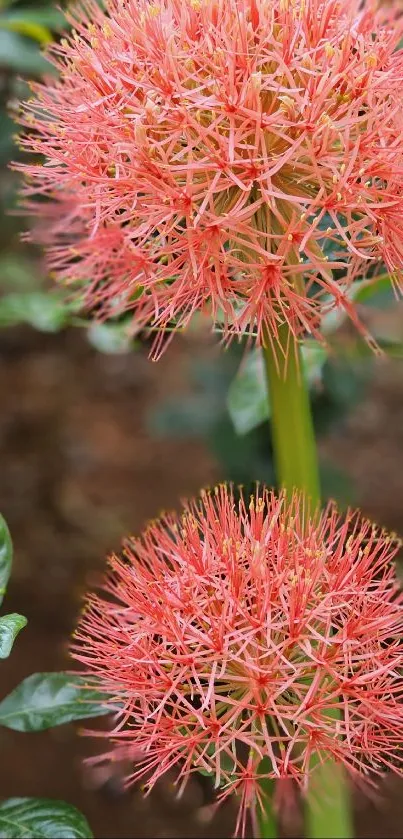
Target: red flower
column 235, row 156
column 241, row 640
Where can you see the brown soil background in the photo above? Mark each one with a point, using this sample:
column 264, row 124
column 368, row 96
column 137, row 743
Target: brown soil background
column 77, row 471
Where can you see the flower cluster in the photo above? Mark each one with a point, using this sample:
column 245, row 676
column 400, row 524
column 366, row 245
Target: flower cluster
column 244, row 639
column 241, row 157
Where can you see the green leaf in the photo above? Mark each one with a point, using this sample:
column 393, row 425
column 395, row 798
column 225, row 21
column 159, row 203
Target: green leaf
column 392, row 347
column 6, row 557
column 41, row 818
column 7, row 147
column 344, row 381
column 10, row 626
column 45, row 311
column 16, row 273
column 336, row 484
column 11, row 310
column 248, row 401
column 110, row 338
column 374, row 291
column 29, row 28
column 47, row 699
column 377, row 291
column 191, row 416
column 44, row 16
column 20, row 54
column 314, row 356
column 243, row 460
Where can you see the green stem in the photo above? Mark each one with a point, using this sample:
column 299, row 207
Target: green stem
column 291, row 419
column 266, row 818
column 267, row 824
column 327, row 811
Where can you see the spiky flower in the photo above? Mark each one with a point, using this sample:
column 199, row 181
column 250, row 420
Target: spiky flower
column 242, row 157
column 242, row 640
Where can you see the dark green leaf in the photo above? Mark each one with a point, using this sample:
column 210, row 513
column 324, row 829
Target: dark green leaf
column 47, row 699
column 10, row 626
column 336, row 484
column 191, row 416
column 41, row 818
column 7, row 147
column 243, row 460
column 6, row 557
column 344, row 381
column 198, row 413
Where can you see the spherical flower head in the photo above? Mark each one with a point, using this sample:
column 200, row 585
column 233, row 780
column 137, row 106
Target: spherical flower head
column 241, row 157
column 244, row 639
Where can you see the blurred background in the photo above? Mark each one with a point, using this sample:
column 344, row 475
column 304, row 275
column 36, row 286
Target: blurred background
column 95, row 439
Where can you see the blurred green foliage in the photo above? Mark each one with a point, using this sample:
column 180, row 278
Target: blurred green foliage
column 25, row 28
column 25, row 296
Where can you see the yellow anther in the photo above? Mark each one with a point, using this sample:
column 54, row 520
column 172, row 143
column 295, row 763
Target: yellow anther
column 371, row 60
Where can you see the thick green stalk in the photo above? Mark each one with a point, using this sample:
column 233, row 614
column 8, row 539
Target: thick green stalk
column 291, row 420
column 327, row 812
column 267, row 825
column 267, row 820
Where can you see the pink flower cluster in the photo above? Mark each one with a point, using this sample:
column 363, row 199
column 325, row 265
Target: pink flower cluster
column 240, row 157
column 244, row 639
